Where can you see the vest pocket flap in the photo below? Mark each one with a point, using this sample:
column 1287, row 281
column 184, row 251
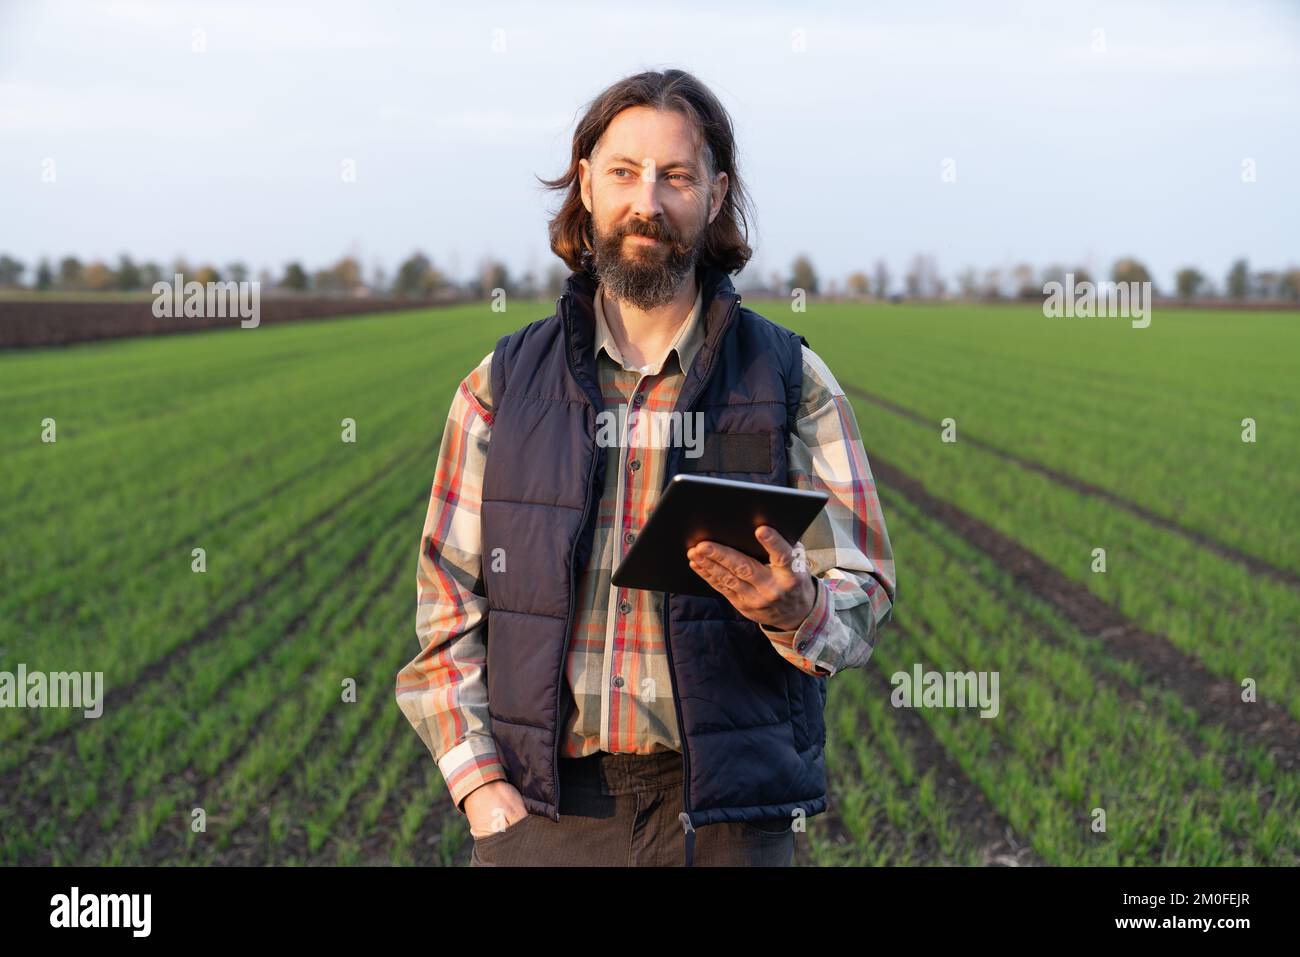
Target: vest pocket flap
column 732, row 452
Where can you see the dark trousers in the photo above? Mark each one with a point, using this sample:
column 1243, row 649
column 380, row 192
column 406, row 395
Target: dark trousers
column 620, row 810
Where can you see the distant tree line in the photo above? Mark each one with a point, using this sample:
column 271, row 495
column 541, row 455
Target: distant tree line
column 418, row 278
column 923, row 280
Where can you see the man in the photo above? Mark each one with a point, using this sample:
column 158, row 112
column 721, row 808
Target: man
column 576, row 723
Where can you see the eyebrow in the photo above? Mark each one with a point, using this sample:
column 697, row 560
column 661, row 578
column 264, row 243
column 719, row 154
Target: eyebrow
column 675, row 164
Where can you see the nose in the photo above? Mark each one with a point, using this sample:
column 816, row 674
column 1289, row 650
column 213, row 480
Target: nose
column 645, row 198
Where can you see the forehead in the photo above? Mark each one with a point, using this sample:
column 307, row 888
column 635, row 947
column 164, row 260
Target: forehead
column 640, row 132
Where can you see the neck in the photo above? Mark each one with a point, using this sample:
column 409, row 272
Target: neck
column 643, row 335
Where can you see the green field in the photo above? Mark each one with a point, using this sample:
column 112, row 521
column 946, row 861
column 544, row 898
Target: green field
column 1119, row 690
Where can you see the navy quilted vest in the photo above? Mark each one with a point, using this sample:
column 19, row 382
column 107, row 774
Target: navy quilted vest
column 751, row 723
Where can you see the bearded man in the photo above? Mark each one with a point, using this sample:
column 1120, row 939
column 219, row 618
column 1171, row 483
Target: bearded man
column 580, row 724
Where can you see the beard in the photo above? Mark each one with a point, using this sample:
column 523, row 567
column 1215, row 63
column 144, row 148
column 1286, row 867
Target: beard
column 644, row 276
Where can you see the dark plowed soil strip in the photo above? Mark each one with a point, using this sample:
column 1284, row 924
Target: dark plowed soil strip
column 976, row 818
column 1256, row 565
column 27, row 323
column 1216, row 699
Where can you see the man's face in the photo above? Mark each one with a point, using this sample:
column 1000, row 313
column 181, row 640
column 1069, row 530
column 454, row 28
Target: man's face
column 651, row 202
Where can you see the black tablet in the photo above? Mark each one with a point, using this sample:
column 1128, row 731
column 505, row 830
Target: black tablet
column 696, row 508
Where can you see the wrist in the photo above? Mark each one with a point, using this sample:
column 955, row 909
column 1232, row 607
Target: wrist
column 809, row 603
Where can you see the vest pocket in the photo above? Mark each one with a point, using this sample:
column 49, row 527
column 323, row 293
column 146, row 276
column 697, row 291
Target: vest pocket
column 742, row 452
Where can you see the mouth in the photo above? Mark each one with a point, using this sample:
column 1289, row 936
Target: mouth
column 649, row 240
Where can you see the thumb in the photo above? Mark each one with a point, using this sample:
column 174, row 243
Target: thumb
column 778, row 549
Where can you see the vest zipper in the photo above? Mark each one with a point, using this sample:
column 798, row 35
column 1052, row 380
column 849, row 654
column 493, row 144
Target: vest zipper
column 573, row 589
column 568, row 627
column 685, row 816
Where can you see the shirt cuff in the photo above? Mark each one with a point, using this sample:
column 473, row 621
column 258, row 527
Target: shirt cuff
column 469, row 765
column 809, row 637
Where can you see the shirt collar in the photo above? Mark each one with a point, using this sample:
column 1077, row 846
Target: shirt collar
column 686, row 344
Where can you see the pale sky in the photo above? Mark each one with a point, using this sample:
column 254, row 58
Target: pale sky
column 1080, row 132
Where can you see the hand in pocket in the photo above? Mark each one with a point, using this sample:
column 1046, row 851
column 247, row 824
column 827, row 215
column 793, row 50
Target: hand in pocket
column 495, row 807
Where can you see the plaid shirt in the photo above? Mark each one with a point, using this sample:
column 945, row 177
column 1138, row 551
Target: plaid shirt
column 618, row 642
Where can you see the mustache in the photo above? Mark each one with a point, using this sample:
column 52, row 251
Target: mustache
column 651, row 230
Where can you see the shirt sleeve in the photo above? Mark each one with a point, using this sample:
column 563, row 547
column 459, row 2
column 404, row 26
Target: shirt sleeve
column 442, row 690
column 846, row 548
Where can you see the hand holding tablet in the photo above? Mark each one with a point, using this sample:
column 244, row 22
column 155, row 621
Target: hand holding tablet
column 779, row 594
column 697, row 508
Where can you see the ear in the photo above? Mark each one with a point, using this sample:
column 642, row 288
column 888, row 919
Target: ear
column 719, row 189
column 584, row 182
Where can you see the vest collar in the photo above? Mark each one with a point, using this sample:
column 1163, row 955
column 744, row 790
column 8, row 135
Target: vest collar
column 577, row 313
column 686, row 342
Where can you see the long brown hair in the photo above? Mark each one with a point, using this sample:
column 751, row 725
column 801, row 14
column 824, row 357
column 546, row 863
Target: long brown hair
column 726, row 237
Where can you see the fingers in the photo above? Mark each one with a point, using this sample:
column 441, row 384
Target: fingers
column 727, row 575
column 737, row 563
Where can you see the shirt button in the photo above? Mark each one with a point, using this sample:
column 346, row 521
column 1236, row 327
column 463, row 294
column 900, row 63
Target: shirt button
column 618, row 681
column 634, row 464
column 802, row 645
column 625, row 606
column 638, row 398
column 628, row 536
